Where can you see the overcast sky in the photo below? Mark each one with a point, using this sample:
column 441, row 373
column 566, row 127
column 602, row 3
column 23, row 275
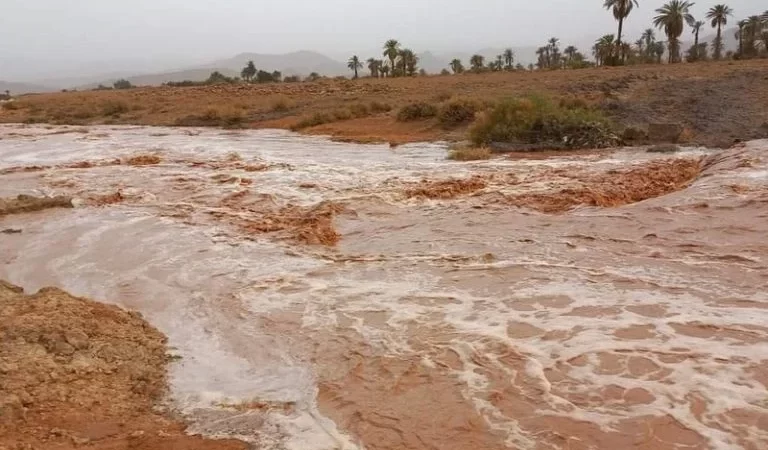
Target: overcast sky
column 186, row 31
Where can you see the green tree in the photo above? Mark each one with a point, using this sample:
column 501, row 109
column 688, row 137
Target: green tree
column 277, row 76
column 456, row 66
column 672, row 18
column 477, row 62
column 754, row 30
column 553, row 55
column 509, row 59
column 621, row 10
column 122, row 84
column 392, row 51
column 718, row 16
column 385, row 70
column 248, row 72
column 354, row 64
column 314, row 76
column 740, row 36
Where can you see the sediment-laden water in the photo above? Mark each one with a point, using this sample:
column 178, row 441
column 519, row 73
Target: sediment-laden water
column 325, row 295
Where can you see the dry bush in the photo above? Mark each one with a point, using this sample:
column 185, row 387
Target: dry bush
column 114, row 108
column 416, row 111
column 379, row 107
column 469, row 153
column 281, row 104
column 457, row 112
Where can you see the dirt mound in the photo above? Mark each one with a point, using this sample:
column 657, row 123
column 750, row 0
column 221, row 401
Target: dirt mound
column 106, row 199
column 446, row 189
column 143, row 160
column 28, row 203
column 77, row 372
column 617, row 187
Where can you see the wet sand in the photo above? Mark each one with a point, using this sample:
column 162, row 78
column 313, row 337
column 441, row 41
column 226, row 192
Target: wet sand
column 326, row 295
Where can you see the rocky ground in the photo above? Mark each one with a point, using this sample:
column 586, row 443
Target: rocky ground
column 712, row 104
column 81, row 374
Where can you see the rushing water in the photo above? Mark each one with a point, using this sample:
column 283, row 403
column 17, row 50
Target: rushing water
column 448, row 324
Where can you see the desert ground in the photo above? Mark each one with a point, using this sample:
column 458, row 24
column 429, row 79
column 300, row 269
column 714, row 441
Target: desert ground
column 717, row 103
column 184, row 272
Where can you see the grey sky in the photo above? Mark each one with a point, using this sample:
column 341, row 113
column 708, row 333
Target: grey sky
column 186, row 31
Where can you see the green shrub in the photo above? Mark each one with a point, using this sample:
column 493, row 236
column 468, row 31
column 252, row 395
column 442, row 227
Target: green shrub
column 122, row 84
column 416, row 111
column 456, row 112
column 535, row 120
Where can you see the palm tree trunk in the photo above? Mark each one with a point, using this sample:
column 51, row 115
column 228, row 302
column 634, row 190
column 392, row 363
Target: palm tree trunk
column 696, row 46
column 719, row 43
column 618, row 40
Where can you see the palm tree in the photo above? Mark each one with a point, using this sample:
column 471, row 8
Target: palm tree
column 621, row 10
column 570, row 52
column 509, row 59
column 718, row 15
column 456, row 66
column 672, row 18
column 658, row 50
column 754, row 27
column 543, row 54
column 477, row 62
column 696, row 26
column 640, row 43
column 740, row 35
column 499, row 62
column 373, row 66
column 603, row 49
column 391, row 51
column 649, row 36
column 354, row 64
column 384, row 70
column 409, row 62
column 553, row 55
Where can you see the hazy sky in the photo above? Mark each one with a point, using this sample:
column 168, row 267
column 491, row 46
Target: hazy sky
column 185, row 31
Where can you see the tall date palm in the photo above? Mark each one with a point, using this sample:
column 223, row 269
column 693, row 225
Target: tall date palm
column 621, row 10
column 672, row 18
column 718, row 16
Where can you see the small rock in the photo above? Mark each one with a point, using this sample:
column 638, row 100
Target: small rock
column 11, row 231
column 77, row 339
column 136, row 434
column 63, row 348
column 77, row 440
column 665, row 132
column 664, row 148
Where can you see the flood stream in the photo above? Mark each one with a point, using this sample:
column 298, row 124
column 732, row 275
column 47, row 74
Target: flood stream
column 317, row 301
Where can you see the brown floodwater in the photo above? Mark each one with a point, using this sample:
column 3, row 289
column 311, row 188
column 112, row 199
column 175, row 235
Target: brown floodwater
column 325, row 295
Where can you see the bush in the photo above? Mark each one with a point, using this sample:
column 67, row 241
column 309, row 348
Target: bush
column 378, row 107
column 536, row 121
column 469, row 153
column 281, row 104
column 312, row 121
column 359, row 110
column 457, row 112
column 114, row 108
column 292, row 79
column 416, row 111
column 122, row 84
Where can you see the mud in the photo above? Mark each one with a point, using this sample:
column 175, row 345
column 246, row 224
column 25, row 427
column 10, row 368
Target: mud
column 631, row 314
column 27, row 203
column 79, row 373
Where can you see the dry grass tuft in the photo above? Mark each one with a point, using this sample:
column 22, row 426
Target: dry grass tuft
column 470, row 153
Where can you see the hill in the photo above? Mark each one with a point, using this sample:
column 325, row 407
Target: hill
column 23, row 88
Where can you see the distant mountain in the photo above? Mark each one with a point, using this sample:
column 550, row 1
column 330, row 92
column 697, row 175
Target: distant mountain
column 22, row 88
column 294, row 63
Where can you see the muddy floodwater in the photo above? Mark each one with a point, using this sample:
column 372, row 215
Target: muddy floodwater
column 325, row 295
